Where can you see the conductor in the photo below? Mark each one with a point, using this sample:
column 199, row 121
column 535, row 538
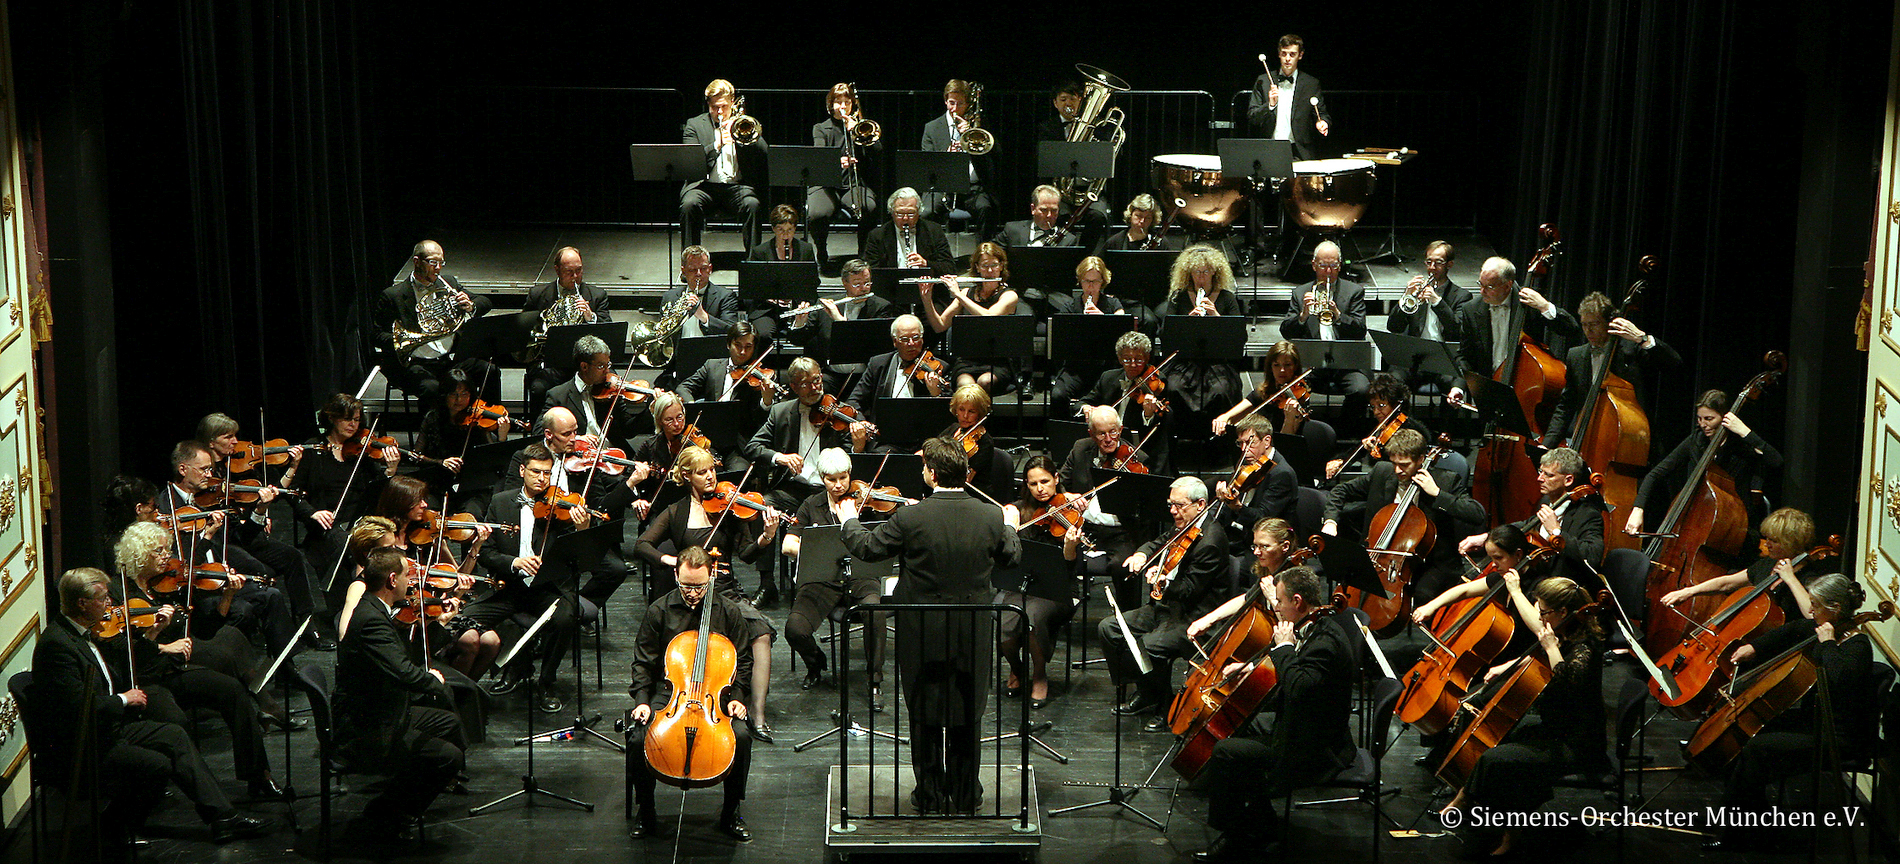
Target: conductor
column 950, row 542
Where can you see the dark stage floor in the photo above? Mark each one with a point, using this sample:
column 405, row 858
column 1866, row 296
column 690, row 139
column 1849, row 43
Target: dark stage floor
column 786, row 806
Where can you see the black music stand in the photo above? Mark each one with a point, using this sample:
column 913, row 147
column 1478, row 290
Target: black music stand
column 562, row 562
column 1414, row 355
column 1141, row 274
column 1075, row 160
column 1498, row 404
column 1087, row 338
column 1347, row 563
column 1063, row 434
column 490, row 460
column 1139, row 499
column 1308, row 466
column 1048, row 269
column 559, row 348
column 790, row 165
column 907, row 422
column 530, row 787
column 822, row 557
column 668, row 163
column 930, row 171
column 778, row 280
column 860, row 340
column 719, row 421
column 1265, row 162
column 902, row 470
column 498, row 334
column 690, row 352
column 1007, row 337
column 1219, row 338
column 1335, row 353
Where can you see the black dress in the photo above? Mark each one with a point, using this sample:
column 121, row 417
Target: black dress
column 1563, row 735
column 1203, row 388
column 671, row 524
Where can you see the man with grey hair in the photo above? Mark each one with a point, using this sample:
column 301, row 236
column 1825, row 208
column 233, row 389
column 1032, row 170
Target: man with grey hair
column 887, row 377
column 908, row 241
column 1563, row 512
column 1488, row 329
column 592, row 363
column 1344, row 301
column 565, row 299
column 811, row 325
column 1180, row 588
column 1134, row 352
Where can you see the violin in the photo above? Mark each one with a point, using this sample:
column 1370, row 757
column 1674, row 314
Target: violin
column 1294, row 397
column 209, row 576
column 243, row 493
column 691, row 436
column 486, row 416
column 1172, row 554
column 446, row 578
column 830, row 411
column 880, row 499
column 612, row 461
column 461, row 528
column 1245, row 476
column 560, row 506
column 1123, row 459
column 420, row 603
column 379, row 447
column 137, row 613
column 1064, row 515
column 925, row 366
column 276, row 451
column 1148, row 388
column 972, row 437
column 636, row 391
column 760, row 378
column 188, row 515
column 745, row 505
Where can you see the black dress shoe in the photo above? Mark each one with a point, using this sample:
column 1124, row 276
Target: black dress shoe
column 551, row 704
column 762, row 732
column 266, row 789
column 319, row 642
column 1158, row 724
column 504, row 685
column 877, row 700
column 734, row 826
column 286, row 722
column 646, row 825
column 1137, row 705
column 813, row 675
column 238, row 827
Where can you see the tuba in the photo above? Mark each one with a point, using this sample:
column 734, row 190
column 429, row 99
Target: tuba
column 653, row 341
column 438, row 315
column 976, row 140
column 745, row 128
column 1093, row 124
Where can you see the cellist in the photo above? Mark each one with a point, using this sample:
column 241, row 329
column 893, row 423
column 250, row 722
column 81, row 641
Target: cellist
column 1643, row 353
column 1785, row 535
column 1565, row 730
column 676, row 612
column 1443, row 498
column 1579, row 522
column 1785, row 746
column 1272, row 548
column 1745, row 455
column 1316, row 658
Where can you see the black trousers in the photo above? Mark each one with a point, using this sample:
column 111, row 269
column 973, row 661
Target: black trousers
column 945, row 762
column 557, row 636
column 168, row 698
column 822, row 206
column 537, row 381
column 147, row 753
column 814, row 603
column 736, row 198
column 422, row 378
column 1161, row 635
column 424, row 759
column 976, row 202
column 256, row 610
column 733, row 784
column 294, row 575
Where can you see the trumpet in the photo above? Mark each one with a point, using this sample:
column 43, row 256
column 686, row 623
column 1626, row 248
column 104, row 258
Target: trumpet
column 1322, row 293
column 745, row 129
column 975, row 140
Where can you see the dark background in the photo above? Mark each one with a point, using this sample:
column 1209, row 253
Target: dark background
column 227, row 181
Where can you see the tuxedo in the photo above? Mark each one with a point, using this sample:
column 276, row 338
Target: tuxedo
column 521, row 594
column 815, row 335
column 1451, row 298
column 1305, row 114
column 781, row 433
column 545, row 372
column 1631, row 362
column 824, row 202
column 415, row 375
column 880, row 249
column 625, row 415
column 376, row 682
column 875, row 384
column 1452, row 511
column 722, row 307
column 739, row 196
column 979, row 203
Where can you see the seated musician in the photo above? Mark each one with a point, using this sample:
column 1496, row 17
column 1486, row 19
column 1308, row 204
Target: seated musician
column 1283, row 367
column 811, row 326
column 895, row 375
column 377, row 722
column 252, row 531
column 1270, row 489
column 1579, row 522
column 1582, row 363
column 816, row 600
column 1078, row 472
column 446, row 436
column 1143, row 217
column 427, row 302
column 1564, row 733
column 971, row 407
column 824, row 203
column 676, row 613
column 1345, row 300
column 1147, row 420
column 1272, row 552
column 1043, row 227
column 1040, row 487
column 98, row 733
column 905, row 241
column 1077, row 375
column 789, row 440
column 1442, row 497
column 945, row 134
column 657, row 451
column 514, row 564
column 1386, row 395
column 714, row 380
column 562, row 301
column 1066, row 98
column 711, row 310
column 1192, row 589
column 1485, row 338
column 988, row 295
column 1745, row 455
column 1429, row 309
column 732, row 169
column 614, row 496
column 1786, row 536
column 1785, row 746
column 1202, row 283
column 339, row 485
column 248, row 600
column 606, row 421
column 783, row 245
column 180, row 673
column 1315, row 657
column 692, row 522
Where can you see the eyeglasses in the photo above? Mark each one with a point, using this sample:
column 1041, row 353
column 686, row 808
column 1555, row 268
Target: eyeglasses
column 694, row 587
column 1177, row 505
column 435, row 262
column 910, row 340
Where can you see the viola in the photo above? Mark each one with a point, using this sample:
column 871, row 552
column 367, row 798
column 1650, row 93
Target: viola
column 486, row 416
column 276, row 451
column 461, row 528
column 560, row 506
column 880, row 499
column 243, row 493
column 612, row 461
column 726, row 497
column 1466, row 638
column 137, row 613
column 636, row 391
column 838, row 415
column 690, row 743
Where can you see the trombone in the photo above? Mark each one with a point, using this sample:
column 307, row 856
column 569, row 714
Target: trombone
column 745, row 129
column 975, row 140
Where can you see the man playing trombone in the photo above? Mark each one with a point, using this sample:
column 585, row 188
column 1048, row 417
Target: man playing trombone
column 946, row 134
column 735, row 157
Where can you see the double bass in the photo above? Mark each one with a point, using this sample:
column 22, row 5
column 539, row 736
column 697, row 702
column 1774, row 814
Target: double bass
column 1398, row 535
column 1504, row 475
column 1704, row 528
column 1611, row 432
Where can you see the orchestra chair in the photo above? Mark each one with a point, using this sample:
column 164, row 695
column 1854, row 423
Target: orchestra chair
column 1365, row 777
column 1456, row 463
column 315, row 684
column 46, row 779
column 1309, row 512
column 589, row 619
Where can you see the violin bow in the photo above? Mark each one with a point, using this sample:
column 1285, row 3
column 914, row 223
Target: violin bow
column 1083, row 496
column 1152, row 372
column 1138, row 446
column 469, row 438
column 1277, row 394
column 729, row 502
column 345, row 496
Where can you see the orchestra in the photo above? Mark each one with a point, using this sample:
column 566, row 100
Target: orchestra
column 416, row 539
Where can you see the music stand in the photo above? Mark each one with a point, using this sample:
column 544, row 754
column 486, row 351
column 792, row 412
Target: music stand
column 1045, row 574
column 1139, row 499
column 909, row 421
column 885, row 283
column 562, row 562
column 1049, row 269
column 668, row 163
column 860, row 340
column 791, row 165
column 1415, row 355
column 778, row 280
column 994, row 336
column 496, row 334
column 1335, row 353
column 560, row 345
column 1146, row 270
column 489, row 460
column 1087, row 338
column 1064, row 433
column 719, row 421
column 822, row 558
column 1220, row 338
column 1075, row 160
column 1309, row 467
column 902, row 470
column 1498, row 402
column 1259, row 159
column 930, row 171
column 530, row 787
column 1347, row 562
column 692, row 352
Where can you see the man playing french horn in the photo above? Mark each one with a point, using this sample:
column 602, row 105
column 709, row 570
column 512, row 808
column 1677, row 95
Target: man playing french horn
column 415, row 322
column 562, row 302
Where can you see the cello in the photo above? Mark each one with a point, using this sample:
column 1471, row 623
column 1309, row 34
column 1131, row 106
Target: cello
column 1248, row 634
column 1611, row 431
column 690, row 743
column 1703, row 528
column 1504, row 476
column 1229, row 701
column 1399, row 534
column 1698, row 664
column 1466, row 637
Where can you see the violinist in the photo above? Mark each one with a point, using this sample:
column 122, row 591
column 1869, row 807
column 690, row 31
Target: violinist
column 811, row 326
column 1145, row 408
column 1564, row 733
column 1315, row 656
column 251, row 532
column 679, row 611
column 1272, row 551
column 715, row 381
column 1288, row 413
column 1745, row 455
column 1786, row 536
column 448, row 434
column 951, row 543
column 467, row 645
column 328, row 471
column 1643, row 353
column 379, row 725
column 594, row 365
column 516, row 564
column 1429, row 309
column 1443, row 497
column 614, row 495
column 255, row 607
column 1039, row 490
column 1202, row 283
column 899, row 374
column 989, row 296
column 103, row 736
column 1785, row 746
column 1484, row 328
column 816, row 600
column 426, row 294
column 794, row 432
column 971, row 407
column 1098, row 451
column 1386, row 395
column 694, row 521
column 1263, row 485
column 565, row 300
column 1143, row 217
column 1195, row 584
column 1564, row 511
